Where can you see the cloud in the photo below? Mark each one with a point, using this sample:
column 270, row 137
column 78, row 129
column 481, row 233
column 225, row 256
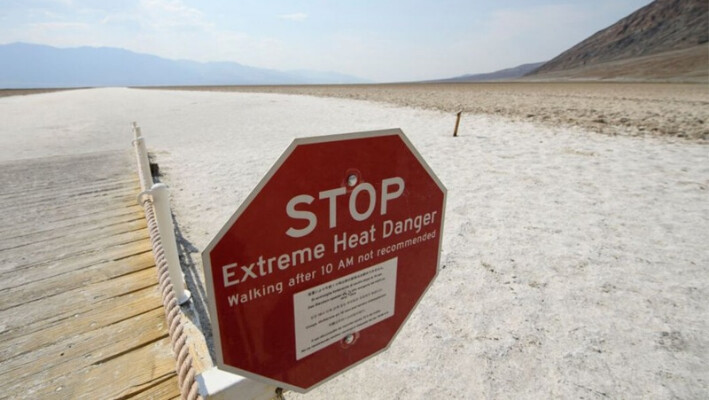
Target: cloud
column 59, row 26
column 120, row 18
column 298, row 17
column 170, row 14
column 67, row 3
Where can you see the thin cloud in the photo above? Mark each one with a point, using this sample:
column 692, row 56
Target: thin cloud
column 171, row 14
column 59, row 26
column 298, row 17
column 120, row 18
column 67, row 3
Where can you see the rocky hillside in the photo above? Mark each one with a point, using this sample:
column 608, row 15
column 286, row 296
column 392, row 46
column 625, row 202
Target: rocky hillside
column 662, row 27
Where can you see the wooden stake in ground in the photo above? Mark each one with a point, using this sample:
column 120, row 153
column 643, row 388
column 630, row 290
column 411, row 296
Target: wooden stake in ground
column 457, row 122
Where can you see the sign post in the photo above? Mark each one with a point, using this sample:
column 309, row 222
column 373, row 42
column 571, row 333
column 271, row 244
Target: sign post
column 325, row 260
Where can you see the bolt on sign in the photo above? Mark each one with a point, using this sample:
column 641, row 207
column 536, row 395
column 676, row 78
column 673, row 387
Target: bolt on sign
column 325, row 260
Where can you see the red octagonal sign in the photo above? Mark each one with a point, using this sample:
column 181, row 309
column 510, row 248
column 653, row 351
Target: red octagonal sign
column 323, row 263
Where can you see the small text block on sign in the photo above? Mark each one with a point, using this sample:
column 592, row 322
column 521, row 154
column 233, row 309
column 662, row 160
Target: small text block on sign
column 325, row 314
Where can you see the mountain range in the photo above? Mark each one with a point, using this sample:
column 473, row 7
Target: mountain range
column 24, row 65
column 507, row 73
column 665, row 40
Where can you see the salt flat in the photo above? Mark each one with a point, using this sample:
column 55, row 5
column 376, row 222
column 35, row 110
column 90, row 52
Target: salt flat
column 574, row 264
column 607, row 107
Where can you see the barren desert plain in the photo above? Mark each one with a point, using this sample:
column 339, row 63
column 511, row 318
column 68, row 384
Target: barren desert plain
column 574, row 258
column 625, row 108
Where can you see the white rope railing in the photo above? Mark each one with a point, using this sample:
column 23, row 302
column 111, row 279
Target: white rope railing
column 212, row 382
column 154, row 199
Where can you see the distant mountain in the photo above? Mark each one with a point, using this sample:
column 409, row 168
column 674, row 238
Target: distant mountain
column 24, row 65
column 508, row 73
column 308, row 77
column 665, row 39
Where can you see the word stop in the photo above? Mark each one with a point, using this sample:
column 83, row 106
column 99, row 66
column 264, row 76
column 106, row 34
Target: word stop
column 390, row 189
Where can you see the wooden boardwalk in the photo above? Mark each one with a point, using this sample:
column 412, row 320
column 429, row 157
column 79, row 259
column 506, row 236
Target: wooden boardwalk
column 80, row 312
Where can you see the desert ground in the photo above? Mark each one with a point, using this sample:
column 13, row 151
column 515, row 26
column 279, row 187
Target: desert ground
column 574, row 259
column 613, row 108
column 24, row 92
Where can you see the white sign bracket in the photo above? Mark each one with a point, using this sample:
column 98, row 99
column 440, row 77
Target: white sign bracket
column 215, row 384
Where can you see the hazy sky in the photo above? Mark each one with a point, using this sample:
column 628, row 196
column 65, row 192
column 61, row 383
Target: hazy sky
column 379, row 40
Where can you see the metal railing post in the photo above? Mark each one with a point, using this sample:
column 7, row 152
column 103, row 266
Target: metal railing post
column 163, row 216
column 161, row 207
column 136, row 130
column 146, row 178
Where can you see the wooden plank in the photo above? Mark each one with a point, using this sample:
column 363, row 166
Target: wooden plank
column 105, row 314
column 19, row 260
column 75, row 259
column 88, row 165
column 74, row 236
column 73, row 206
column 38, row 183
column 166, row 389
column 41, row 227
column 65, row 282
column 79, row 199
column 72, row 190
column 60, row 307
column 70, row 193
column 93, row 351
column 41, row 188
column 26, row 221
column 132, row 373
column 80, row 263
